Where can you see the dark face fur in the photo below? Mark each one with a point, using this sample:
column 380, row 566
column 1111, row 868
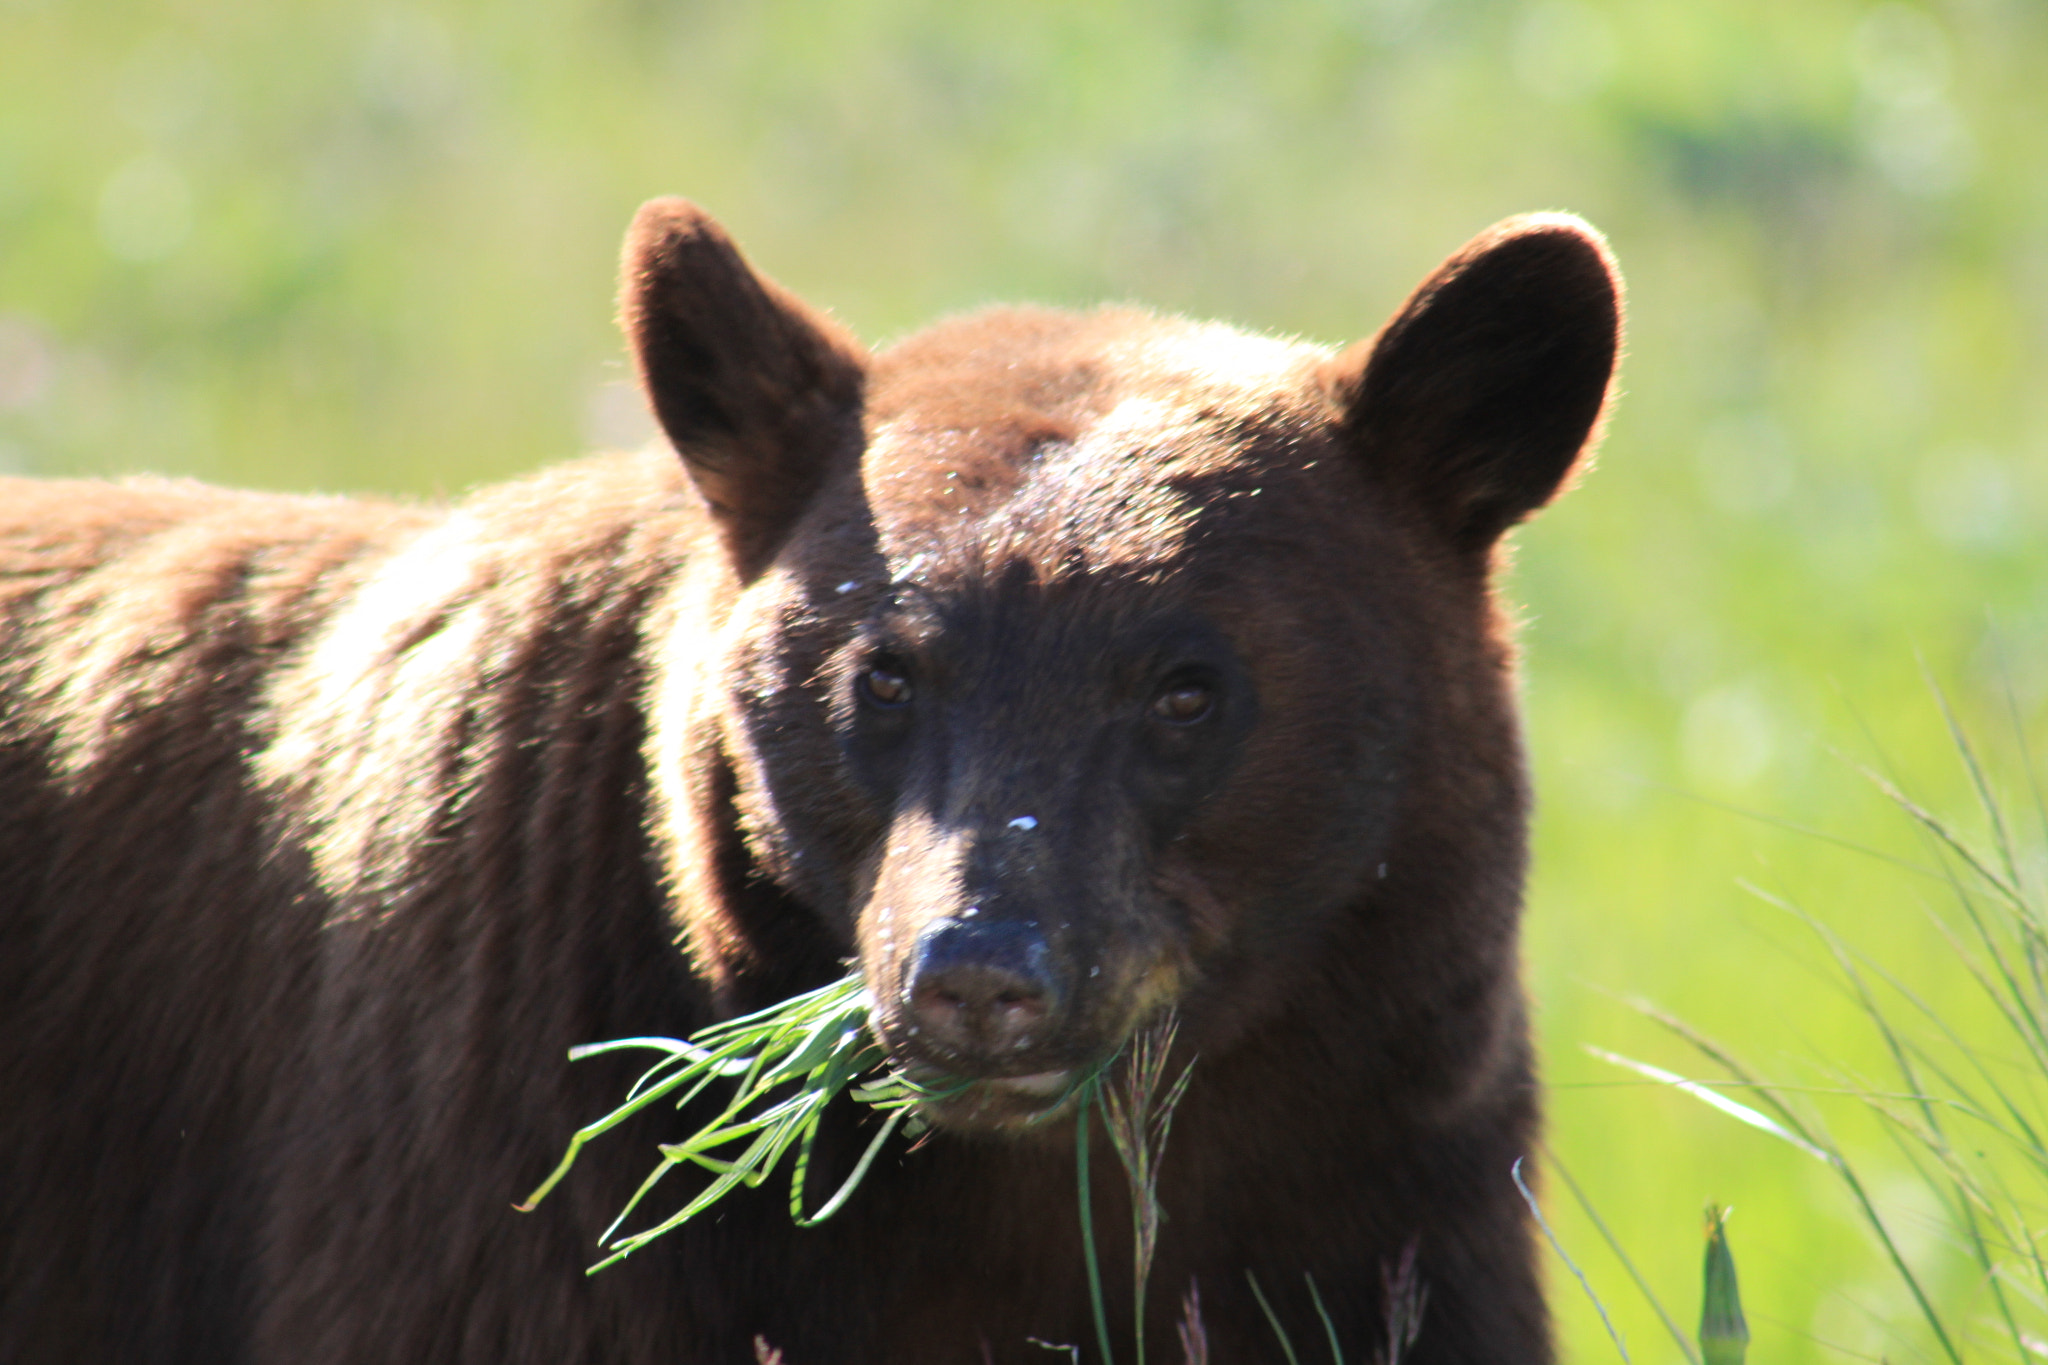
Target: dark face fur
column 1081, row 663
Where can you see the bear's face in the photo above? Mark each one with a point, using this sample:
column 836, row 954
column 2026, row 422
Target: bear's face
column 1059, row 687
column 1082, row 667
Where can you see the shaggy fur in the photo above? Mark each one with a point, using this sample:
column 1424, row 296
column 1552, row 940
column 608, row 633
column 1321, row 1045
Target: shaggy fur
column 1055, row 668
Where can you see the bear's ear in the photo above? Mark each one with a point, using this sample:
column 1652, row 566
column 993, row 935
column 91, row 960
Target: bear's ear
column 757, row 392
column 1476, row 400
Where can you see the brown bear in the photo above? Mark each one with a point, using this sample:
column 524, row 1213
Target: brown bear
column 1057, row 669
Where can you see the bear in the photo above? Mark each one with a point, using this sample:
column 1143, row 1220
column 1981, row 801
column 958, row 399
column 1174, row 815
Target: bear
column 1058, row 672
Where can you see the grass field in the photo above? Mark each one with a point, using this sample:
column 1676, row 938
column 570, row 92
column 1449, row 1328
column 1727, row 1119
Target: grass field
column 370, row 246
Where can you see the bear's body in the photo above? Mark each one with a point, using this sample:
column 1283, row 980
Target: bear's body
column 1058, row 669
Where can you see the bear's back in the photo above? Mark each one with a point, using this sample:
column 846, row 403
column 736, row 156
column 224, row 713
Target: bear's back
column 172, row 728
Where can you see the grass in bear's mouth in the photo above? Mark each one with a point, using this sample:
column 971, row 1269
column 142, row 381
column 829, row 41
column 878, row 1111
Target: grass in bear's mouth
column 789, row 1062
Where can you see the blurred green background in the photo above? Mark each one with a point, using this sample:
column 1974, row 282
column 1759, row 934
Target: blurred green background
column 369, row 246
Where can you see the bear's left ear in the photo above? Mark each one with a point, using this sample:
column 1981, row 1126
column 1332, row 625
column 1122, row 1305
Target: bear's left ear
column 757, row 392
column 1477, row 399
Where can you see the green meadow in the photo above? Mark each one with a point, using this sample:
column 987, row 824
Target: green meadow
column 370, row 246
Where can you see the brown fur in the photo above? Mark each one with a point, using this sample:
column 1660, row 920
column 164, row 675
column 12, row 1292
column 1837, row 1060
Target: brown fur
column 326, row 826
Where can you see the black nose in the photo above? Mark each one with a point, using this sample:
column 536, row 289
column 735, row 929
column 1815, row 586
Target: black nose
column 982, row 989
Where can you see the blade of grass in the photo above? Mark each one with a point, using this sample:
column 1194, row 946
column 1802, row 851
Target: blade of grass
column 860, row 1171
column 1273, row 1320
column 2000, row 836
column 1934, row 1137
column 1740, row 1112
column 1685, row 1346
column 1826, row 1153
column 1329, row 1327
column 2019, row 734
column 1138, row 1120
column 1090, row 1263
column 1536, row 1210
column 1933, row 824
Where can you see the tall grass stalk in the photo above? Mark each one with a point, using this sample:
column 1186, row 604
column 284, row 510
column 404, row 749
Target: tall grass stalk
column 1536, row 1211
column 1967, row 1114
column 1138, row 1118
column 1091, row 1263
column 1194, row 1337
column 1642, row 1283
column 1406, row 1298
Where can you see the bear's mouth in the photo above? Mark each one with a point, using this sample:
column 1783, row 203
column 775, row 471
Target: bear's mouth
column 1006, row 1103
column 1044, row 1084
column 997, row 1103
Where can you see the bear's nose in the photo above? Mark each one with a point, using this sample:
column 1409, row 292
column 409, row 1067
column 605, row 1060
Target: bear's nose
column 982, row 989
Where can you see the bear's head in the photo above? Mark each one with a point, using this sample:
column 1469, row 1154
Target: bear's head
column 1071, row 668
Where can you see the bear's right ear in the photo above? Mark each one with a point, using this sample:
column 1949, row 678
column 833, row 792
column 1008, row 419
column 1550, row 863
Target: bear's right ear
column 1475, row 402
column 756, row 391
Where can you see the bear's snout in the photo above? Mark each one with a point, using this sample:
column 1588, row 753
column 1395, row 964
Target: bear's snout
column 982, row 990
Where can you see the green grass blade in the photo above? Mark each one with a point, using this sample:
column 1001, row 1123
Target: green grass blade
column 668, row 1164
column 1740, row 1112
column 601, row 1126
column 1273, row 1320
column 1807, row 1142
column 1685, row 1347
column 2001, row 837
column 1927, row 820
column 843, row 994
column 860, row 1171
column 1329, row 1327
column 1722, row 1057
column 1090, row 1264
column 1536, row 1210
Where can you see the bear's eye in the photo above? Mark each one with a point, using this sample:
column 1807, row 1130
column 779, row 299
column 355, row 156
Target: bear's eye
column 1184, row 702
column 885, row 687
